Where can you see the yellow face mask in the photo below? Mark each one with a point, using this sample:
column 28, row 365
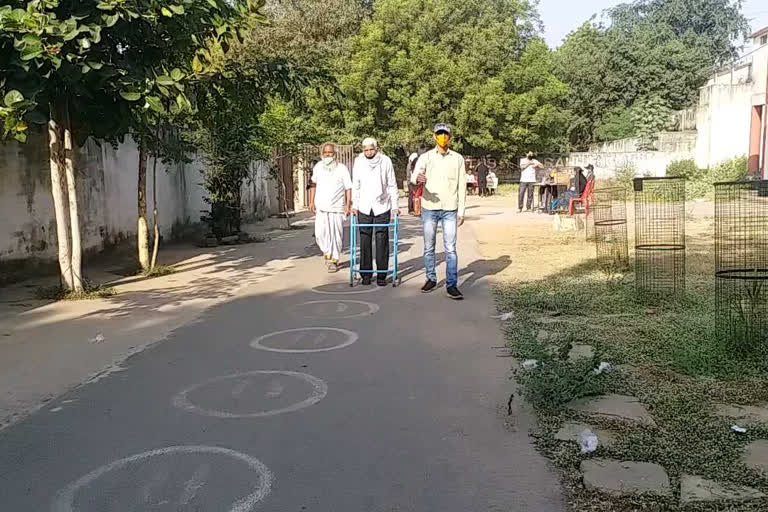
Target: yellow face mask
column 442, row 140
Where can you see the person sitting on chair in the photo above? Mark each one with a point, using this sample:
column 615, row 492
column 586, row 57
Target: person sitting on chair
column 374, row 201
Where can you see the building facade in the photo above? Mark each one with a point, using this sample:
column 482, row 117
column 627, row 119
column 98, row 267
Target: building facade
column 732, row 114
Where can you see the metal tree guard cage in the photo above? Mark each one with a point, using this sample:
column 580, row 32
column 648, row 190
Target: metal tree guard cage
column 741, row 264
column 659, row 236
column 610, row 211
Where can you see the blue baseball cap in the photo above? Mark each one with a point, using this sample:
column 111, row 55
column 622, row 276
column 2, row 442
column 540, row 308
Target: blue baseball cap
column 442, row 127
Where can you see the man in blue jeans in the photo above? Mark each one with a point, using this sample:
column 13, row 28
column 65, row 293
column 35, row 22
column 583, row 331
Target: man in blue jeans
column 443, row 175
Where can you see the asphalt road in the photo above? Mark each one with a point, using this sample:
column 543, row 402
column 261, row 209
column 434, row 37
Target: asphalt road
column 383, row 399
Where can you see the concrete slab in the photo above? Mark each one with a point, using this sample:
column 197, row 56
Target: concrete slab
column 622, row 478
column 746, row 414
column 620, row 407
column 581, row 351
column 571, row 431
column 756, row 455
column 695, row 489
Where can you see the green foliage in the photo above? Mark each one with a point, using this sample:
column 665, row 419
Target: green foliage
column 616, row 124
column 650, row 115
column 93, row 63
column 658, row 51
column 683, row 168
column 488, row 75
column 624, row 176
column 699, row 182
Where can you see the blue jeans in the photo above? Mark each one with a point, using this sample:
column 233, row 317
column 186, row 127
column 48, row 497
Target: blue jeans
column 429, row 219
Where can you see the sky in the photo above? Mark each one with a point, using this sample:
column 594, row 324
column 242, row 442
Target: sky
column 562, row 16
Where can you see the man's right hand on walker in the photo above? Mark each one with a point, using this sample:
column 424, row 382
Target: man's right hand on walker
column 354, row 212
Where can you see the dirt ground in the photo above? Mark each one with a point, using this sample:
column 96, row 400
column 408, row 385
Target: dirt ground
column 538, row 251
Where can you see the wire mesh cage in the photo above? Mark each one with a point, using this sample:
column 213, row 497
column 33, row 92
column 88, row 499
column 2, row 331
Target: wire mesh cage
column 659, row 236
column 610, row 221
column 741, row 264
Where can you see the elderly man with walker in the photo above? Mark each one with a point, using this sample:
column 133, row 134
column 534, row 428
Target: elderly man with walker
column 374, row 202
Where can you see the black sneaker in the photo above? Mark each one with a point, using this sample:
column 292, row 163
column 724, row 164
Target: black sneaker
column 381, row 282
column 366, row 280
column 428, row 286
column 454, row 293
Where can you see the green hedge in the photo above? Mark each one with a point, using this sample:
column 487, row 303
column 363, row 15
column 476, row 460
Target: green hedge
column 699, row 181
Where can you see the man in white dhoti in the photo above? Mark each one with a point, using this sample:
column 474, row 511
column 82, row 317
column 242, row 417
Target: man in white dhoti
column 330, row 200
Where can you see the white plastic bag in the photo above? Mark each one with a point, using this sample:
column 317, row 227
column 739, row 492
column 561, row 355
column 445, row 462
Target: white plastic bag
column 588, row 441
column 604, row 367
column 530, row 364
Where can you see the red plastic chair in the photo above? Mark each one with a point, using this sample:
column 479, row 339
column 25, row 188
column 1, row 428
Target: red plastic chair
column 585, row 198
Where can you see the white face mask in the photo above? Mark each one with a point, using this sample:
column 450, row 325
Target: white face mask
column 327, row 160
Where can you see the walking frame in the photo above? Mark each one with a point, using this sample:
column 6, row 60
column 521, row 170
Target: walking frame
column 353, row 249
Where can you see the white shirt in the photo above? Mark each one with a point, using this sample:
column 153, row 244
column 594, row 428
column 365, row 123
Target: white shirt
column 528, row 174
column 374, row 188
column 331, row 187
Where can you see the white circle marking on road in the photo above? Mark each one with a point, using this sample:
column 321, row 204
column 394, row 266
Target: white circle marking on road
column 351, row 337
column 352, row 290
column 319, row 391
column 372, row 308
column 65, row 499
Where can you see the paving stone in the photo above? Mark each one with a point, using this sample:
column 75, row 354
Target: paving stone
column 572, row 430
column 620, row 407
column 746, row 414
column 581, row 351
column 756, row 455
column 697, row 489
column 621, row 478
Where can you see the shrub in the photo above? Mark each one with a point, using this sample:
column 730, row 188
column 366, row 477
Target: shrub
column 684, row 168
column 624, row 176
column 699, row 181
column 734, row 169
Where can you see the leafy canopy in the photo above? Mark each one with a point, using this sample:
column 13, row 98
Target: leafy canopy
column 477, row 64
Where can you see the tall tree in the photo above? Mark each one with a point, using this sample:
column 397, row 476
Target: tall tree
column 477, row 64
column 651, row 54
column 84, row 65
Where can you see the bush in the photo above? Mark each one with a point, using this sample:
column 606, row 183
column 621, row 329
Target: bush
column 683, row 168
column 624, row 176
column 734, row 169
column 699, row 181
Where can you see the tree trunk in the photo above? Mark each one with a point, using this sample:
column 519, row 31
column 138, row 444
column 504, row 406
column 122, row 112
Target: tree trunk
column 155, row 223
column 141, row 231
column 285, row 203
column 59, row 198
column 74, row 216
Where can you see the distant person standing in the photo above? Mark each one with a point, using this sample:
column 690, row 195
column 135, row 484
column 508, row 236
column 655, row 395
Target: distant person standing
column 330, row 200
column 411, row 165
column 528, row 166
column 411, row 187
column 482, row 178
column 442, row 172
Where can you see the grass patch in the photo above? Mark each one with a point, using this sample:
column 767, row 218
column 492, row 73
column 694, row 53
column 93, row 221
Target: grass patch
column 89, row 292
column 158, row 271
column 507, row 189
column 666, row 354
